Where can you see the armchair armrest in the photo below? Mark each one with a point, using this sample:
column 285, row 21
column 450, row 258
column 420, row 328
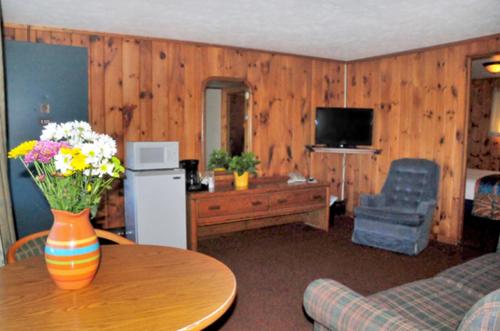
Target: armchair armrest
column 426, row 207
column 338, row 308
column 377, row 200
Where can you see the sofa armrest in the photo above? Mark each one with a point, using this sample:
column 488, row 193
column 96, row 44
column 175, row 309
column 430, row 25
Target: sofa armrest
column 426, row 207
column 338, row 308
column 377, row 200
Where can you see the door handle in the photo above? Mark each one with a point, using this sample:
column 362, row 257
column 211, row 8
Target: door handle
column 282, row 200
column 318, row 197
column 216, row 207
column 256, row 203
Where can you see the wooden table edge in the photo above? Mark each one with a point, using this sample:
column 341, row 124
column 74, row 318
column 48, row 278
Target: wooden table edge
column 215, row 315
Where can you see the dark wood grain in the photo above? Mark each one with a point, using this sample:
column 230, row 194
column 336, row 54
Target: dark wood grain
column 152, row 89
column 262, row 204
column 137, row 287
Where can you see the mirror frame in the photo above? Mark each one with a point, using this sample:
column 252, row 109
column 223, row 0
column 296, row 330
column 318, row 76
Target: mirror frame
column 249, row 131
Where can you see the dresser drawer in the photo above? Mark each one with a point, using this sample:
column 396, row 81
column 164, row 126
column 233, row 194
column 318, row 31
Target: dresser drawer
column 297, row 199
column 232, row 206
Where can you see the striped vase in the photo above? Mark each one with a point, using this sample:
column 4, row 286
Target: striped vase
column 72, row 251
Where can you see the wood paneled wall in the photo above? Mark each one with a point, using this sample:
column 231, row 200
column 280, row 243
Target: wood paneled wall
column 151, row 89
column 483, row 150
column 420, row 101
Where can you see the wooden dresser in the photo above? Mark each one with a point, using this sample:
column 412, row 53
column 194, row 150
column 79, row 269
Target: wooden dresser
column 262, row 204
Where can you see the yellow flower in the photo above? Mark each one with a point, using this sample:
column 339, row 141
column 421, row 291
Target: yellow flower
column 67, row 150
column 23, row 149
column 68, row 173
column 89, row 187
column 79, row 162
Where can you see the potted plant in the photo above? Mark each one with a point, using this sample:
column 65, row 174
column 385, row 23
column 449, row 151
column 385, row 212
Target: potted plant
column 219, row 160
column 241, row 166
column 73, row 166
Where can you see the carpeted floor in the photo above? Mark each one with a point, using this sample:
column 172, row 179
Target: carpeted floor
column 273, row 266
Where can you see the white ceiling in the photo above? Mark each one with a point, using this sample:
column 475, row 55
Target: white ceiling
column 338, row 29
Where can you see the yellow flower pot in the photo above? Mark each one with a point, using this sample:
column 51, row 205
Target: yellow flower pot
column 241, row 182
column 220, row 169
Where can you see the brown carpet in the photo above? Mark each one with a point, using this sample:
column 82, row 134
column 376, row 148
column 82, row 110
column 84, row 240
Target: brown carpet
column 273, row 266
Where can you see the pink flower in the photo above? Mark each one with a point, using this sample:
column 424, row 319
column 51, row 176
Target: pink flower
column 44, row 151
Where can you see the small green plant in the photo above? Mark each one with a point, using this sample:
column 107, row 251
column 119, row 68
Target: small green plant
column 244, row 162
column 219, row 158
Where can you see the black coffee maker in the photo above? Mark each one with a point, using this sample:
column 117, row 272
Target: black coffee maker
column 193, row 182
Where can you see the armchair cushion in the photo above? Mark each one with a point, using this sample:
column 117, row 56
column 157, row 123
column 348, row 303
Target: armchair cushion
column 394, row 215
column 336, row 307
column 376, row 200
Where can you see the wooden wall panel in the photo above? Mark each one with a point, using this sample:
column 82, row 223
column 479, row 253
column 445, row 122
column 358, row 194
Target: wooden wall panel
column 483, row 150
column 420, row 111
column 144, row 88
column 327, row 91
column 152, row 89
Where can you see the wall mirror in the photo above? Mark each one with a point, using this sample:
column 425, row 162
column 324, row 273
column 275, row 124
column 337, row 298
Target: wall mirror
column 227, row 117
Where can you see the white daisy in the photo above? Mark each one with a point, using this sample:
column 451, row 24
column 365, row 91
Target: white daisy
column 93, row 157
column 62, row 162
column 105, row 146
column 105, row 168
column 49, row 131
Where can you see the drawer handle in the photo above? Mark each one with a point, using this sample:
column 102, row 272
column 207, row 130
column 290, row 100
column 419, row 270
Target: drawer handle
column 213, row 207
column 282, row 200
column 318, row 197
column 256, row 203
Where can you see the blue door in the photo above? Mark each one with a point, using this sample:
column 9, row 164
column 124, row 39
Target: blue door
column 44, row 83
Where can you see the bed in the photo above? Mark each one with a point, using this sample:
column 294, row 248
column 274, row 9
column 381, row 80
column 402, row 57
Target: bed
column 472, row 177
column 478, row 232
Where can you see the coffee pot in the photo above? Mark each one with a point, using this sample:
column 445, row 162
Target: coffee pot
column 193, row 182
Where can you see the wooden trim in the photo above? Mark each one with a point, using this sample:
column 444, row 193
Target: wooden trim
column 224, row 120
column 424, row 49
column 224, row 100
column 466, row 136
column 125, row 36
column 30, row 27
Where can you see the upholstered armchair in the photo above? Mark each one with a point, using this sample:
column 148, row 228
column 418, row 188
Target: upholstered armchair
column 400, row 217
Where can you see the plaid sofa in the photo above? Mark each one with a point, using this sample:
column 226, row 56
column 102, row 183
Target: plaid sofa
column 465, row 297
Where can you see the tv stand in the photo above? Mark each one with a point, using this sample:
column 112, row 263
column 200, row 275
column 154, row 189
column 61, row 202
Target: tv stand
column 344, row 152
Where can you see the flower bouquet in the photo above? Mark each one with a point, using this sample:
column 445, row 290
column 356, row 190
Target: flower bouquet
column 72, row 165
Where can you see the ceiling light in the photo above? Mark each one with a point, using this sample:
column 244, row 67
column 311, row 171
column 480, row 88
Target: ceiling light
column 493, row 66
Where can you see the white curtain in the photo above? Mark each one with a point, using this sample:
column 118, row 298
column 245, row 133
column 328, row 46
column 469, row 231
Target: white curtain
column 7, row 233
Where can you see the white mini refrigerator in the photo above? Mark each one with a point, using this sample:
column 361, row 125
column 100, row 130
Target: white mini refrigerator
column 155, row 207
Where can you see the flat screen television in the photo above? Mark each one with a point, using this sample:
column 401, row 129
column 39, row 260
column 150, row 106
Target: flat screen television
column 344, row 127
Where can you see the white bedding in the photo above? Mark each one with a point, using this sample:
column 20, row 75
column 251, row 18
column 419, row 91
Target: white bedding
column 472, row 176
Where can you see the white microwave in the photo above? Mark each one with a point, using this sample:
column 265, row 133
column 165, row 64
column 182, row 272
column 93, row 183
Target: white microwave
column 149, row 155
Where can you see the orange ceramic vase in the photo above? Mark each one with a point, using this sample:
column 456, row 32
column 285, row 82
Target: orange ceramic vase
column 72, row 251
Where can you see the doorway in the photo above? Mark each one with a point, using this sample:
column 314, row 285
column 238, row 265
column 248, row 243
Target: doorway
column 44, row 83
column 480, row 230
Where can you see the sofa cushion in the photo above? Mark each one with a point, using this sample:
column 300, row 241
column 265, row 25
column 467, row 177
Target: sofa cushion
column 484, row 315
column 477, row 277
column 394, row 215
column 434, row 303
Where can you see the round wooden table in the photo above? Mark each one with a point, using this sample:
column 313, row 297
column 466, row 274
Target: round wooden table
column 136, row 288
